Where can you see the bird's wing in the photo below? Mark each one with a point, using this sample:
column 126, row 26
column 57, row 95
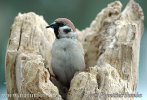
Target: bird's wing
column 81, row 47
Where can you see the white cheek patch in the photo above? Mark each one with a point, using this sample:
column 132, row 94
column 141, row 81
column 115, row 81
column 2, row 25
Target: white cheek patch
column 63, row 34
column 61, row 29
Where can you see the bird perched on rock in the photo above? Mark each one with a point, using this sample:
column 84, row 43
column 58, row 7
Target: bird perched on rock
column 67, row 52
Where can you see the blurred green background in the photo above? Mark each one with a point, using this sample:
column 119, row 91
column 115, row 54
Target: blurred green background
column 81, row 12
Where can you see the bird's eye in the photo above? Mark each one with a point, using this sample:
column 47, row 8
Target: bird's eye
column 60, row 24
column 67, row 30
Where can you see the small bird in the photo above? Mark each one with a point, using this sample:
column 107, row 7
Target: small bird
column 67, row 52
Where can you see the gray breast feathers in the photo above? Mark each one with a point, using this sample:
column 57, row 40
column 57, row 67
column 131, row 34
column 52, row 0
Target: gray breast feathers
column 67, row 58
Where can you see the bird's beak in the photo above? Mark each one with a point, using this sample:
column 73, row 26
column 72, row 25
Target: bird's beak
column 53, row 25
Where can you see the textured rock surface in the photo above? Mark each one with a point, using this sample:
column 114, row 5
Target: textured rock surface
column 28, row 58
column 111, row 54
column 111, row 45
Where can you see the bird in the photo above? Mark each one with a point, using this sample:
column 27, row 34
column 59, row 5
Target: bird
column 67, row 52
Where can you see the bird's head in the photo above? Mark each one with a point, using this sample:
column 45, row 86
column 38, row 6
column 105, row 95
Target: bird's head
column 63, row 28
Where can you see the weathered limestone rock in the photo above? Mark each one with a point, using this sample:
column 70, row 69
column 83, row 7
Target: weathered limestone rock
column 28, row 58
column 111, row 54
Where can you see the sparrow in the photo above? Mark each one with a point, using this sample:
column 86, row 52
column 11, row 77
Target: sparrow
column 67, row 52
